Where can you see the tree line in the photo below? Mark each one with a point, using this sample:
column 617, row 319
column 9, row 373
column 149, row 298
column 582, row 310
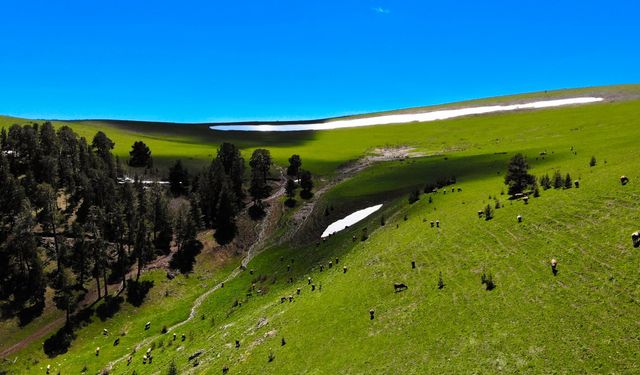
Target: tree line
column 68, row 218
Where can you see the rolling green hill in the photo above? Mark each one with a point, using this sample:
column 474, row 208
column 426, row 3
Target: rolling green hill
column 582, row 320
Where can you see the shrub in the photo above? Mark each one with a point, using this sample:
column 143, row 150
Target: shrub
column 440, row 281
column 365, row 234
column 487, row 280
column 172, row 370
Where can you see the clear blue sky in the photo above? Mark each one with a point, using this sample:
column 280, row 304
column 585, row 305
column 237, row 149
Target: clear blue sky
column 236, row 60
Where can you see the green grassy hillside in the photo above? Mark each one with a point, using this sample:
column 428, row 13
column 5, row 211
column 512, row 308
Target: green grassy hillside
column 582, row 320
column 323, row 151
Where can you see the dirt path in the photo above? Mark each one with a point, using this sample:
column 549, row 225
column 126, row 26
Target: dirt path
column 263, row 231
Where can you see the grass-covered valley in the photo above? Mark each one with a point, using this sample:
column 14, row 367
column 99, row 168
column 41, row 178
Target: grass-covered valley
column 276, row 298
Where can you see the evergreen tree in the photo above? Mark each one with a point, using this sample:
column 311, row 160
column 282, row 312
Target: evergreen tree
column 488, row 212
column 545, row 182
column 233, row 165
column 306, row 183
column 178, row 179
column 557, row 180
column 162, row 232
column 290, row 192
column 49, row 216
column 66, row 297
column 225, row 216
column 568, row 183
column 140, row 155
column 518, row 178
column 295, row 162
column 3, row 139
column 22, row 276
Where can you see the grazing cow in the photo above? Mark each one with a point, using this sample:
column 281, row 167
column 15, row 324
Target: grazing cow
column 554, row 264
column 184, row 337
column 225, row 369
column 624, row 180
column 413, row 264
column 371, row 314
column 525, row 199
column 321, row 268
column 237, row 343
column 399, row 287
column 282, row 299
column 480, row 213
column 48, row 368
column 298, row 291
column 438, row 223
column 105, row 331
column 283, row 342
column 309, row 280
column 116, row 342
column 337, row 260
column 635, row 237
column 147, row 326
column 432, row 224
column 97, row 351
column 313, row 287
column 576, row 183
column 519, row 217
column 344, row 269
column 459, row 190
column 174, row 337
column 331, row 263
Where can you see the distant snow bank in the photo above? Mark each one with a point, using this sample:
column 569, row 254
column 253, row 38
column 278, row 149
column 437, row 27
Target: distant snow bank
column 355, row 217
column 406, row 118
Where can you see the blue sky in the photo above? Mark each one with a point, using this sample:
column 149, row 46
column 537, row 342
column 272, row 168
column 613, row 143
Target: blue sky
column 192, row 61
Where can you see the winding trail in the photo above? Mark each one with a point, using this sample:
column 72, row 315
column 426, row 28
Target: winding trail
column 254, row 249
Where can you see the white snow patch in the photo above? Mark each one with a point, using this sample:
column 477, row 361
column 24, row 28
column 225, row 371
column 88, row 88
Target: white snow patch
column 406, row 118
column 353, row 218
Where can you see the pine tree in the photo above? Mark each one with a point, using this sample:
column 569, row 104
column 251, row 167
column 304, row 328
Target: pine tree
column 557, row 180
column 518, row 178
column 295, row 162
column 568, row 183
column 545, row 182
column 140, row 155
column 488, row 212
column 178, row 179
column 306, row 183
column 225, row 216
